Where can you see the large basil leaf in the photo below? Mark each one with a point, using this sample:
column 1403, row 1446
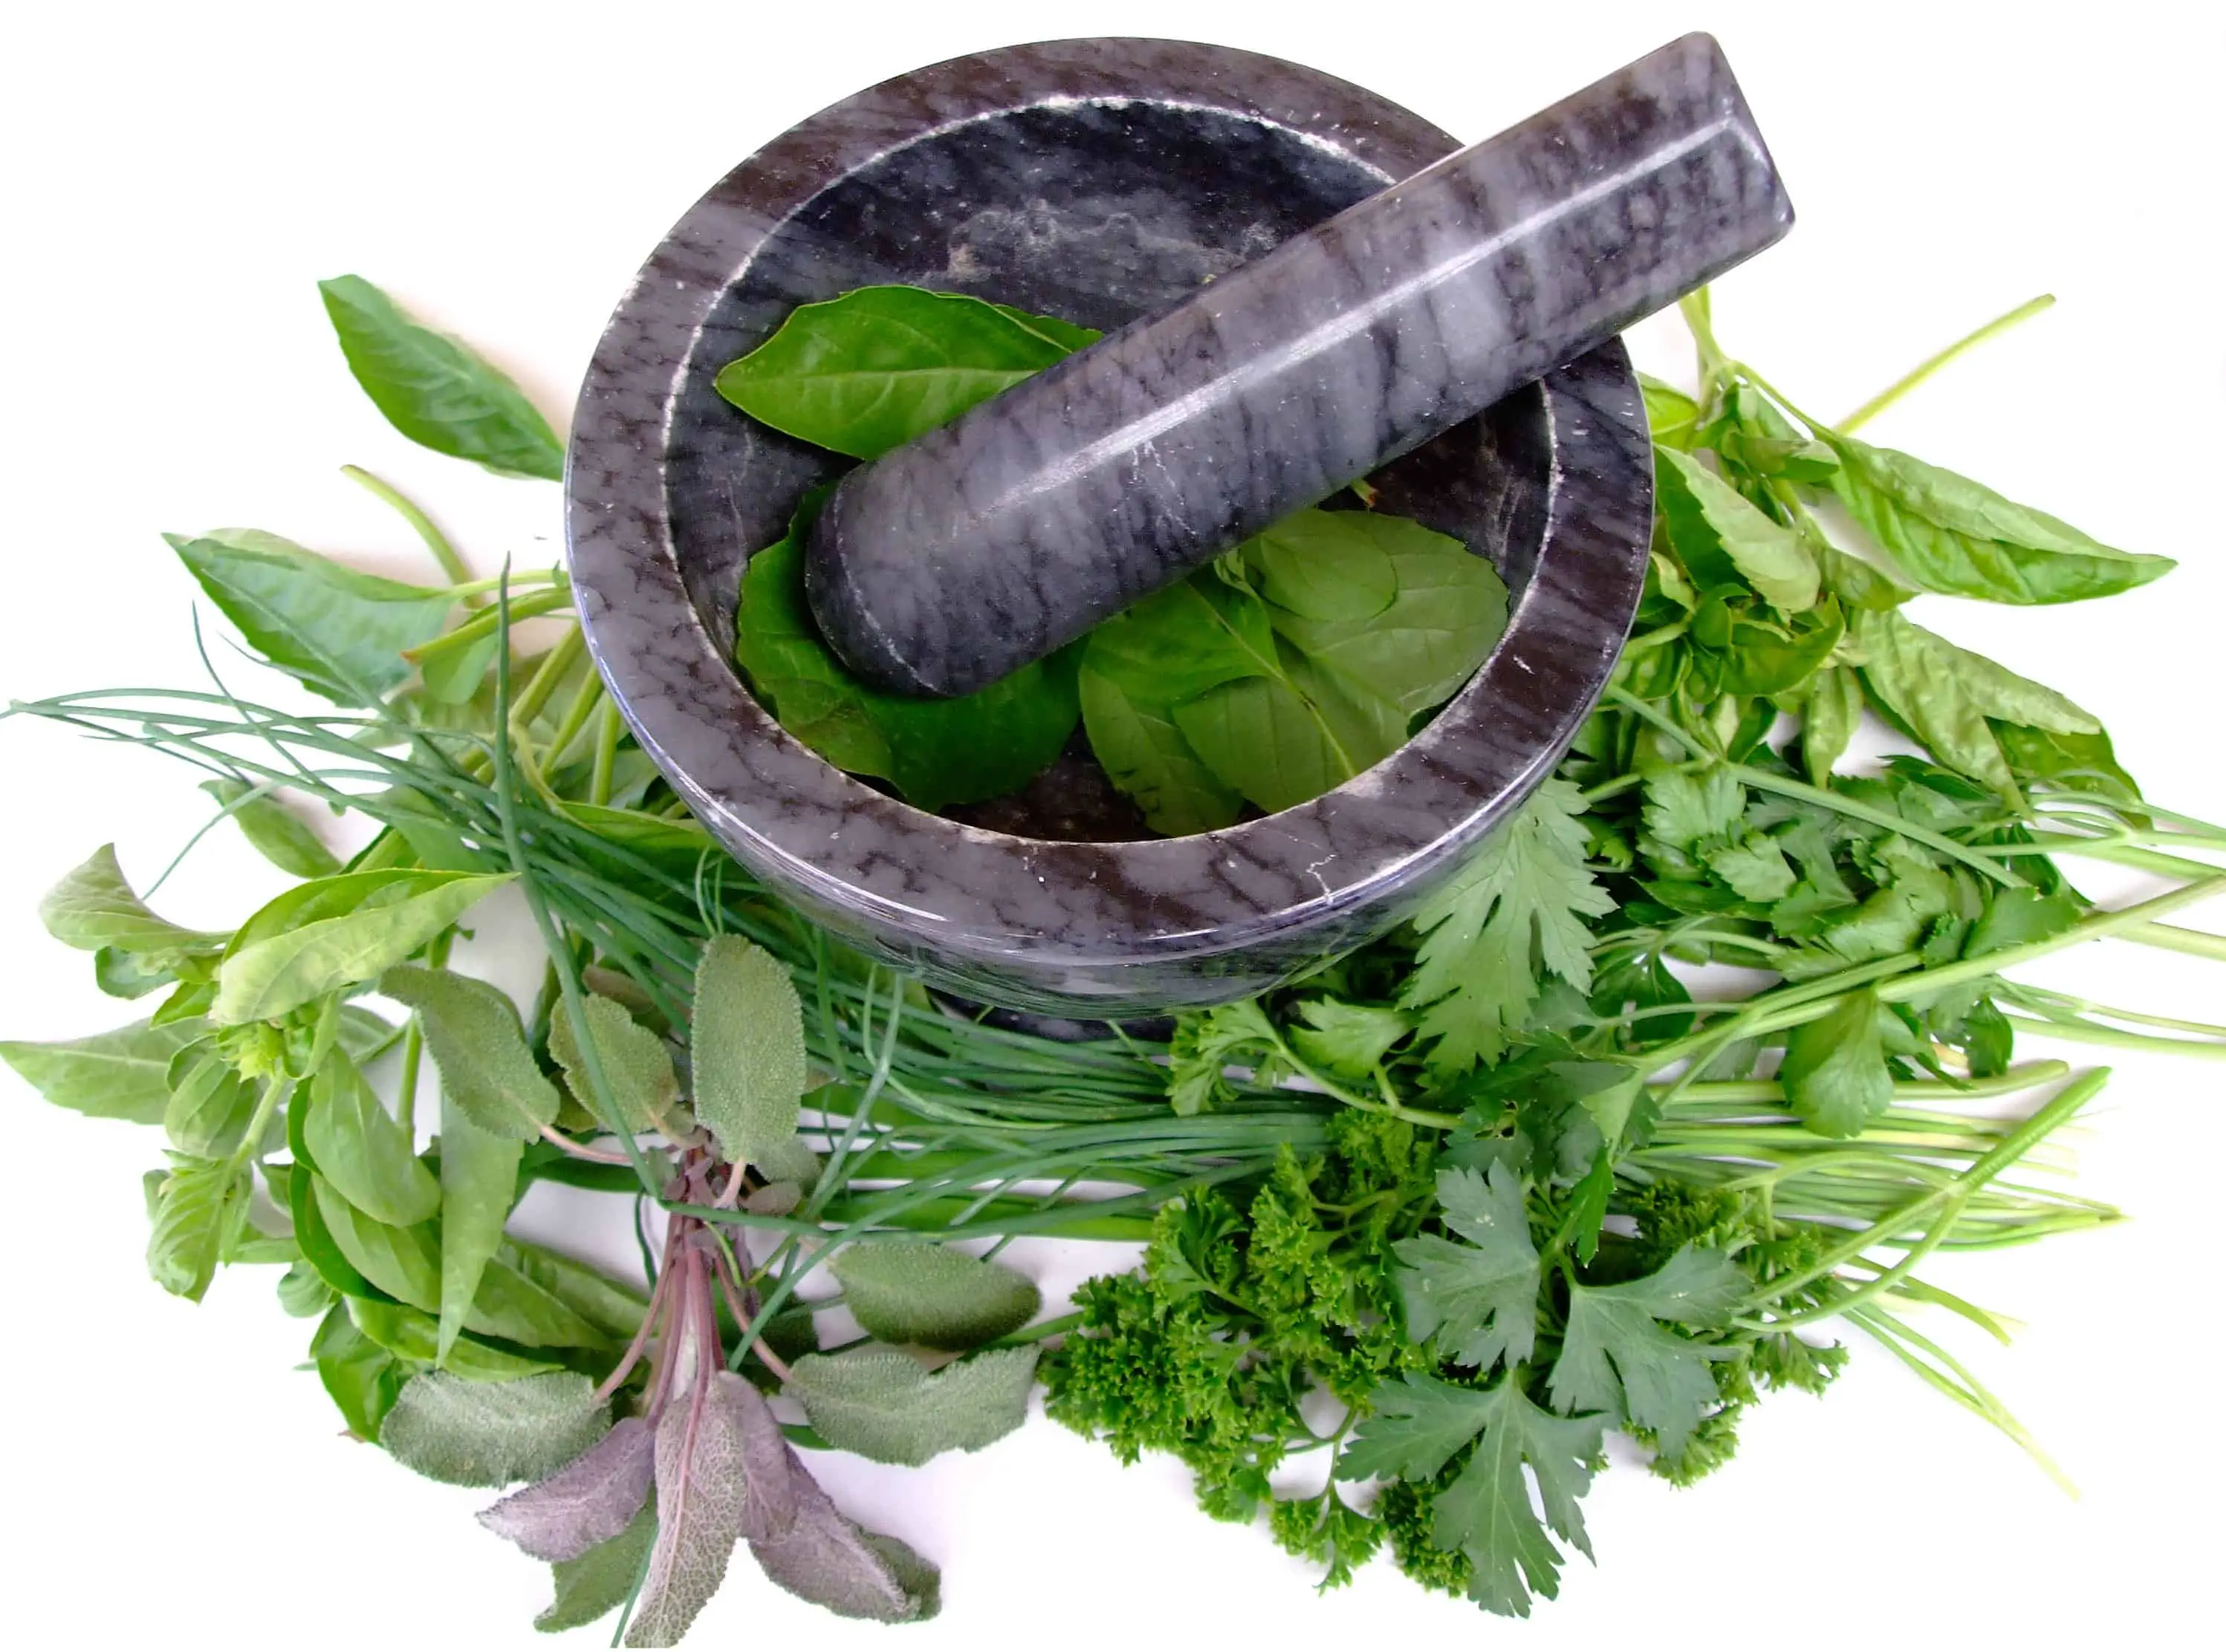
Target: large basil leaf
column 94, row 909
column 1949, row 534
column 439, row 392
column 936, row 753
column 870, row 371
column 340, row 632
column 119, row 1075
column 337, row 932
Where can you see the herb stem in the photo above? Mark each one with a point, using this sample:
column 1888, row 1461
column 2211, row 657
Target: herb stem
column 1924, row 370
column 435, row 541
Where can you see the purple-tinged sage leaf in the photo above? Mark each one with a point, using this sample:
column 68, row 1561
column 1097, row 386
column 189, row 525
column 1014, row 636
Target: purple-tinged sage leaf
column 589, row 1501
column 700, row 1465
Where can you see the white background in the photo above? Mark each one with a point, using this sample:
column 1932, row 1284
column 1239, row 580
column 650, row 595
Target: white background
column 180, row 177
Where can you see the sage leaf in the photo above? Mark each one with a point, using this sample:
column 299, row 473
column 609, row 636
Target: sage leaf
column 634, row 1061
column 935, row 753
column 359, row 1148
column 414, row 1337
column 746, row 1054
column 586, row 1503
column 599, row 1581
column 473, row 1033
column 201, row 1211
column 462, row 1432
column 1723, row 539
column 478, row 1179
column 278, row 835
column 700, row 1489
column 93, row 908
column 339, row 632
column 1834, row 1070
column 363, row 1379
column 211, row 1105
column 886, row 1406
column 436, row 390
column 1950, row 535
column 806, row 1546
column 934, row 1296
column 338, row 932
column 870, row 371
column 124, row 1074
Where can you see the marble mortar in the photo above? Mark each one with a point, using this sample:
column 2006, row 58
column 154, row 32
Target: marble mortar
column 1098, row 180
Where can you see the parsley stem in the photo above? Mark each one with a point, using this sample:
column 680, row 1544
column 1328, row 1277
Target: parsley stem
column 2066, row 1101
column 2172, row 939
column 1924, row 370
column 2113, row 1038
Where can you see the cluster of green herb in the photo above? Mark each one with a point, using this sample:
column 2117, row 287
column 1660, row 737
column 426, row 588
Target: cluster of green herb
column 1493, row 1186
column 1625, row 1207
column 1288, row 665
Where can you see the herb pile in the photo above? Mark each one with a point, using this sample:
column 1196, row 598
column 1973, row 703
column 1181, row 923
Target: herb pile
column 1279, row 671
column 1450, row 1208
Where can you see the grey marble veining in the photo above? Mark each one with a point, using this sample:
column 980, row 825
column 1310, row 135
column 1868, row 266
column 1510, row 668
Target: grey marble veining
column 991, row 541
column 1100, row 180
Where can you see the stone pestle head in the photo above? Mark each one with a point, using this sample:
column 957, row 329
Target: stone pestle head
column 988, row 544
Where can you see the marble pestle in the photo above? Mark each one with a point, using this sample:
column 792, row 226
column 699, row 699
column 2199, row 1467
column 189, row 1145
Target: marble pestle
column 965, row 555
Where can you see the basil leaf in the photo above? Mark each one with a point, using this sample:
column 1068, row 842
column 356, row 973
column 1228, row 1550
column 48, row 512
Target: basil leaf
column 1722, row 538
column 1672, row 416
column 201, row 1211
column 363, row 1379
column 125, row 975
column 415, row 1337
column 359, row 1148
column 277, row 834
column 1829, row 718
column 1448, row 613
column 1331, row 565
column 935, row 753
column 339, row 632
column 1951, row 534
column 1947, row 697
column 119, row 1075
column 479, row 1179
column 747, row 1054
column 302, row 1292
column 94, row 908
column 211, row 1105
column 1136, row 743
column 436, row 390
column 870, row 371
column 509, row 1305
column 1281, row 744
column 2077, row 762
column 335, row 933
column 403, row 1262
column 611, row 1308
column 472, row 1032
column 1759, row 661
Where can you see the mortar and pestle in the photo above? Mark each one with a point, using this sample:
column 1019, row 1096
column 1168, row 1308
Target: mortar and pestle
column 1329, row 288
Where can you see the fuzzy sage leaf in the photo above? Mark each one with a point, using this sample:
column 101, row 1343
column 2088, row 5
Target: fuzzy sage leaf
column 933, row 1295
column 463, row 1432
